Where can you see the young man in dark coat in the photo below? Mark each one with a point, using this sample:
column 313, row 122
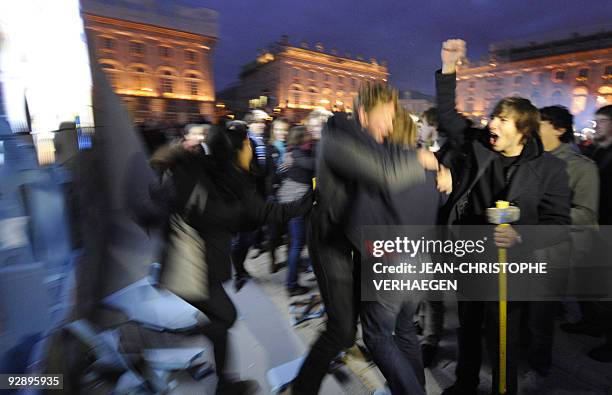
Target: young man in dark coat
column 350, row 157
column 504, row 162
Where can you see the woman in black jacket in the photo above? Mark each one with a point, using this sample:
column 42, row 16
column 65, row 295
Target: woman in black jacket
column 226, row 202
column 298, row 181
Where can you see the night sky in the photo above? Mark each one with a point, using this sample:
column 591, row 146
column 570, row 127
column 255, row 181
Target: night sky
column 407, row 33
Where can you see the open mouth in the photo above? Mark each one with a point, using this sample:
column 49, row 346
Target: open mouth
column 493, row 138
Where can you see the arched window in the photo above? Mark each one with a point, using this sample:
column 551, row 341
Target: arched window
column 604, row 95
column 579, row 99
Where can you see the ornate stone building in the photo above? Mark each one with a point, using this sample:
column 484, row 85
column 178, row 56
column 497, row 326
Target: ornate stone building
column 292, row 81
column 157, row 56
column 575, row 72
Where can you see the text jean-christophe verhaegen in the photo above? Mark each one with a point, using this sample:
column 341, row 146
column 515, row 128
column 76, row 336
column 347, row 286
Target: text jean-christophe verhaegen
column 423, row 248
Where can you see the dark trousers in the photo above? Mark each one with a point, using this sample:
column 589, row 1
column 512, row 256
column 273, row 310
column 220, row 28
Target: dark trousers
column 297, row 235
column 541, row 328
column 276, row 230
column 221, row 312
column 604, row 312
column 240, row 247
column 338, row 278
column 390, row 335
column 472, row 316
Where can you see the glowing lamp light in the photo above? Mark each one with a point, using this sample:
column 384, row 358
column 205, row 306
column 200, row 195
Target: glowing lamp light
column 324, row 101
column 339, row 102
column 146, row 89
column 220, row 105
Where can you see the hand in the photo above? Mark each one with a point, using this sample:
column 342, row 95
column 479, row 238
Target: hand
column 444, row 179
column 506, row 236
column 427, row 159
column 453, row 51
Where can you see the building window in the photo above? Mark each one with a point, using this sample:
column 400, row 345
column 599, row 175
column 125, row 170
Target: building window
column 518, row 79
column 326, row 77
column 108, row 43
column 165, row 52
column 583, row 74
column 604, row 96
column 296, row 98
column 296, row 73
column 137, row 48
column 166, row 85
column 579, row 99
column 192, row 86
column 311, row 75
column 340, row 80
column 471, row 84
column 190, row 56
column 559, row 76
column 353, row 82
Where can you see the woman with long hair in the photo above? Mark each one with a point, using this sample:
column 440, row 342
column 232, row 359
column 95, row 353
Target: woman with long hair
column 215, row 196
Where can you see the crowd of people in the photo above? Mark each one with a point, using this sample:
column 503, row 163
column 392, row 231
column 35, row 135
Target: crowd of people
column 240, row 185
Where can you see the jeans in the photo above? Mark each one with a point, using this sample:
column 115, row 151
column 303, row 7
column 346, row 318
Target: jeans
column 338, row 276
column 296, row 245
column 390, row 335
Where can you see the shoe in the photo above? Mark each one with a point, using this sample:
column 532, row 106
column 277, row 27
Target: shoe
column 241, row 387
column 298, row 290
column 456, row 389
column 602, row 354
column 429, row 353
column 240, row 281
column 582, row 328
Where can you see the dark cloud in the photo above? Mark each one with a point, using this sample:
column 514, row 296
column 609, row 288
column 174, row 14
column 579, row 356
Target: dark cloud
column 407, row 33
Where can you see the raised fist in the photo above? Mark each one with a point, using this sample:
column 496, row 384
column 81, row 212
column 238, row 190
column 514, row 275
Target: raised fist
column 453, row 52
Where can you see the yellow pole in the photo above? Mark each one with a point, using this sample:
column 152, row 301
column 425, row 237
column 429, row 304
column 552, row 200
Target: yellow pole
column 503, row 313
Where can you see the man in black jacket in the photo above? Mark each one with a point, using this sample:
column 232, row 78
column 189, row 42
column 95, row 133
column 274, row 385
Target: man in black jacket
column 602, row 155
column 504, row 162
column 348, row 158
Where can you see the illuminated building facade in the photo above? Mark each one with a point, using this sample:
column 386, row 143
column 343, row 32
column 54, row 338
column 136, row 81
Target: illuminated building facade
column 158, row 57
column 574, row 72
column 415, row 102
column 294, row 80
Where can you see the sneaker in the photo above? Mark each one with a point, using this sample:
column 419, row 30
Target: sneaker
column 241, row 387
column 298, row 290
column 429, row 352
column 602, row 354
column 582, row 328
